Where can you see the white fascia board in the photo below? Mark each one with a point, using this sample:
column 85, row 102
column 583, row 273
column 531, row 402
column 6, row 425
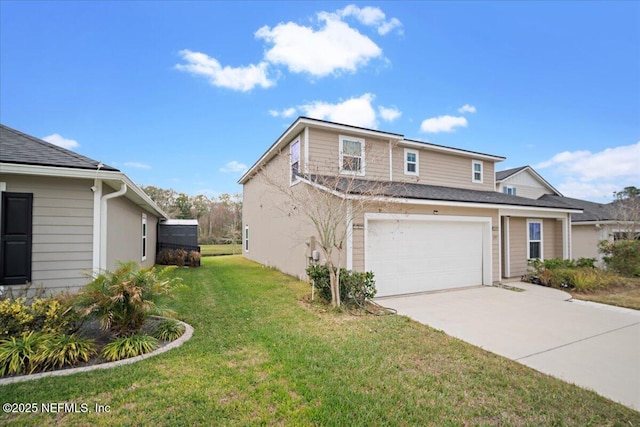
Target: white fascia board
column 450, row 150
column 521, row 211
column 608, row 222
column 61, row 172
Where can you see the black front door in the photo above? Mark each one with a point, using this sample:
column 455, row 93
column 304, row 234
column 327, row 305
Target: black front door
column 15, row 238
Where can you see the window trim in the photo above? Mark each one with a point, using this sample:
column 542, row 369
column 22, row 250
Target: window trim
column 509, row 190
column 145, row 239
column 541, row 241
column 294, row 179
column 408, row 151
column 473, row 171
column 246, row 238
column 360, row 172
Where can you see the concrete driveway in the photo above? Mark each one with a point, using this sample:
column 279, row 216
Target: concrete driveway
column 592, row 345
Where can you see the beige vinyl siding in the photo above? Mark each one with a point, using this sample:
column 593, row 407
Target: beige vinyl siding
column 518, row 246
column 124, row 233
column 62, row 247
column 584, row 241
column 324, row 154
column 526, row 185
column 443, row 169
column 552, row 238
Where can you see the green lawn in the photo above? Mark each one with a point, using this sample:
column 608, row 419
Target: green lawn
column 213, row 250
column 260, row 355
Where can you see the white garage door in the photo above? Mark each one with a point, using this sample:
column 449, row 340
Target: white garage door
column 410, row 256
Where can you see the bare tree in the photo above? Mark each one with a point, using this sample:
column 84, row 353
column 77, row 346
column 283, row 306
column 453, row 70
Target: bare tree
column 328, row 200
column 626, row 210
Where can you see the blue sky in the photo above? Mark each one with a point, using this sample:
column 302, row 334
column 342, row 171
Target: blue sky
column 186, row 95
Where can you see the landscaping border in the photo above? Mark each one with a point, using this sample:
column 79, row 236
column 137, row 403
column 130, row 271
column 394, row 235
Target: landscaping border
column 188, row 333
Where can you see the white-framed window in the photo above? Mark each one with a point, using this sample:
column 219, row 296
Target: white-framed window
column 144, row 237
column 246, row 238
column 534, row 239
column 509, row 190
column 411, row 162
column 351, row 155
column 294, row 157
column 476, row 171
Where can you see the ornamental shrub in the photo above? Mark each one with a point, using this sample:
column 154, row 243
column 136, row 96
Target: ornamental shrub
column 121, row 300
column 52, row 314
column 622, row 256
column 131, row 346
column 353, row 284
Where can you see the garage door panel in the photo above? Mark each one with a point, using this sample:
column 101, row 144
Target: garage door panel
column 410, row 256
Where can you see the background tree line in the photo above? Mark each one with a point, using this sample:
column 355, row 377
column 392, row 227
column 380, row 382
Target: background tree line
column 219, row 218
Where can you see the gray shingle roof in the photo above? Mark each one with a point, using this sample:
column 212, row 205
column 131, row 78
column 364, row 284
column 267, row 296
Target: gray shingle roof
column 500, row 175
column 592, row 211
column 430, row 192
column 20, row 148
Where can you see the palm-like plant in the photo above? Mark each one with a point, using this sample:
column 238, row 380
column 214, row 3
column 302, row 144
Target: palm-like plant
column 121, row 300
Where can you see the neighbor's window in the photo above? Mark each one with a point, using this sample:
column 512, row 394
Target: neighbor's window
column 411, row 162
column 246, row 238
column 351, row 155
column 509, row 190
column 476, row 166
column 534, row 239
column 144, row 237
column 294, row 154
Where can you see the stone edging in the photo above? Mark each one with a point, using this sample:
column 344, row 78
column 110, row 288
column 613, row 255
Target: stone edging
column 188, row 332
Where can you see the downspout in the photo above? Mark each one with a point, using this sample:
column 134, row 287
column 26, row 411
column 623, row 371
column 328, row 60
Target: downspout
column 103, row 223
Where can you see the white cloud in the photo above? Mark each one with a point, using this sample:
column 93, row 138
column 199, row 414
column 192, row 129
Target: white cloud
column 240, row 78
column 371, row 16
column 466, row 108
column 61, row 141
column 137, row 165
column 234, row 166
column 332, row 48
column 442, row 124
column 595, row 175
column 353, row 111
column 389, row 114
column 287, row 112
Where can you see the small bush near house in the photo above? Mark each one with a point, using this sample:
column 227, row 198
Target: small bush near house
column 194, row 259
column 123, row 299
column 357, row 285
column 169, row 330
column 131, row 346
column 22, row 354
column 178, row 257
column 578, row 274
column 60, row 350
column 622, row 256
column 53, row 314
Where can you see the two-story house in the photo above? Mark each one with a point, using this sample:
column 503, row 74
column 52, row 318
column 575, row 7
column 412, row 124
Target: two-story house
column 429, row 216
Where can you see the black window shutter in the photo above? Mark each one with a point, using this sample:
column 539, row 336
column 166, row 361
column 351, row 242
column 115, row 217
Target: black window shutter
column 16, row 238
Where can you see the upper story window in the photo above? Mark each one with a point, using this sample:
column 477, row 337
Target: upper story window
column 351, row 155
column 476, row 170
column 294, row 155
column 411, row 162
column 509, row 190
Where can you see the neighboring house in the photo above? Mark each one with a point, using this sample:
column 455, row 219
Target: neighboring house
column 597, row 221
column 65, row 216
column 437, row 223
